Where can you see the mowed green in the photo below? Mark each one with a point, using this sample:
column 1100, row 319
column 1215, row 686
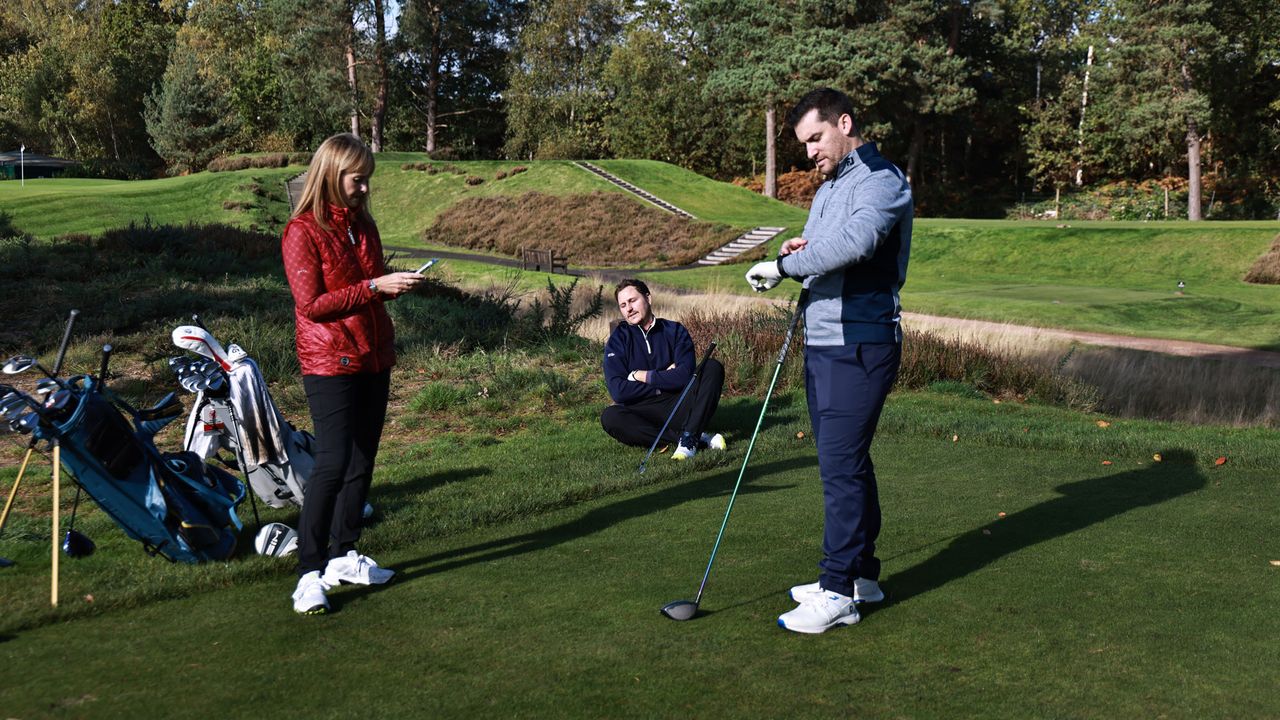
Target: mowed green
column 1021, row 583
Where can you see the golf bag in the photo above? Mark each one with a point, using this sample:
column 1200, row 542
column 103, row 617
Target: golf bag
column 241, row 417
column 173, row 503
column 234, row 411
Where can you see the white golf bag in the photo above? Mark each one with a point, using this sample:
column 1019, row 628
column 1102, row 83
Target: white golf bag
column 234, row 411
column 275, row 457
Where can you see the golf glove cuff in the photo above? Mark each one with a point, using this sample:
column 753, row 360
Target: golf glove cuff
column 765, row 275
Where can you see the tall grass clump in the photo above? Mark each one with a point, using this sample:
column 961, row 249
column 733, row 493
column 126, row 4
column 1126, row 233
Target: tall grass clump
column 1266, row 269
column 749, row 341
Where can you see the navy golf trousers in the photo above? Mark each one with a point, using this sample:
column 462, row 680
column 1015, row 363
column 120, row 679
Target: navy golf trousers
column 847, row 386
column 637, row 424
column 347, row 412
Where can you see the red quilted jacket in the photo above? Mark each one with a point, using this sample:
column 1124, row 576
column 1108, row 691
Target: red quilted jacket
column 342, row 326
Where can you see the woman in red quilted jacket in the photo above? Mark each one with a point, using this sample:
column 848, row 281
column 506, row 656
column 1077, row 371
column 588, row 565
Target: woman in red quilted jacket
column 333, row 260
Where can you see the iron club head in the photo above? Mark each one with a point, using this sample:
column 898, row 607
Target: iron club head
column 680, row 610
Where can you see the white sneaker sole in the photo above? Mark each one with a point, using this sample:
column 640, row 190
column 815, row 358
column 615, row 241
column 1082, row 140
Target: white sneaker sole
column 815, row 630
column 317, row 610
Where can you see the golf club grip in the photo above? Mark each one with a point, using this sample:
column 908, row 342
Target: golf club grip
column 795, row 322
column 66, row 340
column 195, row 319
column 106, row 360
column 705, row 357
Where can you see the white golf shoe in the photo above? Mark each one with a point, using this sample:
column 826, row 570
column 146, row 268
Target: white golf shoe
column 308, row 597
column 715, row 442
column 686, row 448
column 820, row 612
column 355, row 569
column 863, row 591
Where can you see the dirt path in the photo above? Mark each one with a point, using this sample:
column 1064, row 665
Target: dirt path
column 1186, row 348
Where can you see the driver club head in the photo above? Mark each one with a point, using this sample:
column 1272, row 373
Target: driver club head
column 680, row 610
column 75, row 544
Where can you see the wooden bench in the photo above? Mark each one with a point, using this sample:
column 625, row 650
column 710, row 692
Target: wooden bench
column 540, row 260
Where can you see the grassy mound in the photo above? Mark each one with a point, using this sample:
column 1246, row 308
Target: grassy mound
column 597, row 229
column 1266, row 270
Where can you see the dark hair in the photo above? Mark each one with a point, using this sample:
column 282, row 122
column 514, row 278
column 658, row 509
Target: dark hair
column 631, row 282
column 829, row 103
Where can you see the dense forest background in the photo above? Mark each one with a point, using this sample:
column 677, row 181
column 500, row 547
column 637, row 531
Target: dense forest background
column 987, row 104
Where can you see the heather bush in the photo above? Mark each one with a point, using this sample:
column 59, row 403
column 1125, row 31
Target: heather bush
column 600, row 229
column 1266, row 269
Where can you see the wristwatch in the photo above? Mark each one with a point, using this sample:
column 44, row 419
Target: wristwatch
column 373, row 286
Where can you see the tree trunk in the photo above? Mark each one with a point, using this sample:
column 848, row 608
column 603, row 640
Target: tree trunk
column 913, row 153
column 1193, row 171
column 351, row 82
column 1084, row 104
column 380, row 62
column 433, row 86
column 770, row 152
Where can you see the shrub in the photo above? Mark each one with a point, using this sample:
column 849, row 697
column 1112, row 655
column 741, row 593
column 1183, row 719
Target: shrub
column 1266, row 269
column 474, row 180
column 519, row 169
column 500, row 175
column 603, row 229
column 557, row 318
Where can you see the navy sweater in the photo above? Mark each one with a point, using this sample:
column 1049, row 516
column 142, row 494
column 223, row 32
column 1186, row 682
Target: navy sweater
column 631, row 348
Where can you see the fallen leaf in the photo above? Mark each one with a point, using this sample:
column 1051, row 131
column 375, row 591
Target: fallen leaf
column 1157, row 457
column 1220, row 461
column 986, row 531
column 997, row 402
column 1276, row 563
column 1103, row 424
column 956, row 438
column 88, row 598
column 1000, row 514
column 1106, row 462
column 1026, row 429
column 800, row 435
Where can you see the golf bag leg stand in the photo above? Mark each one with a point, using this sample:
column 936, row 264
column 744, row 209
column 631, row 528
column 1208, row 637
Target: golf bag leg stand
column 13, row 493
column 244, row 467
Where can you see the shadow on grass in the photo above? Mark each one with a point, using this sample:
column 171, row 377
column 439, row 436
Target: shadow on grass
column 393, row 495
column 1082, row 503
column 664, row 498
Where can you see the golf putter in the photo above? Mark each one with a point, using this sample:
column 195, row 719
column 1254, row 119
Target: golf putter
column 685, row 609
column 696, row 372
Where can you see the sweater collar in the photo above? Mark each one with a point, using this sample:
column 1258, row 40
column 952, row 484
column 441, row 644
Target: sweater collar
column 858, row 156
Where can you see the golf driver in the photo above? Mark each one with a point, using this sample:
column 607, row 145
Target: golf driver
column 692, row 378
column 685, row 609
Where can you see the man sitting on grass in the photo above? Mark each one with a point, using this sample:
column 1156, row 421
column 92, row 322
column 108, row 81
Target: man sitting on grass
column 647, row 363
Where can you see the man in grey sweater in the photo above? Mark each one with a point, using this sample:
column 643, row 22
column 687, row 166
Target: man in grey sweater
column 852, row 259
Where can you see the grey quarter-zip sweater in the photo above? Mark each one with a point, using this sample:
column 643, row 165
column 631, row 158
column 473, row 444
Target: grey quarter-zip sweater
column 855, row 262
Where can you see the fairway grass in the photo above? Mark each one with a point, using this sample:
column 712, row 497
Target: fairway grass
column 1025, row 578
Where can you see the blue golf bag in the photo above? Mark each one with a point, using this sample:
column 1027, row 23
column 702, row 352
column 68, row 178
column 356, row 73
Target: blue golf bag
column 173, row 503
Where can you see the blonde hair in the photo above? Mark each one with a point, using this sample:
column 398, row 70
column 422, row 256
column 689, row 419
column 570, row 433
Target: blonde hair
column 340, row 153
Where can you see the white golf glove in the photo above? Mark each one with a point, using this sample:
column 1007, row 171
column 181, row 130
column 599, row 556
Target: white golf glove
column 764, row 276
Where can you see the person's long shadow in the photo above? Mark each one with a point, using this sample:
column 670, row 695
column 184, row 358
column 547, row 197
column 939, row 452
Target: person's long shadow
column 1082, row 504
column 394, row 494
column 663, row 498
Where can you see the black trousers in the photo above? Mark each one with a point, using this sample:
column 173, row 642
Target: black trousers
column 638, row 423
column 347, row 412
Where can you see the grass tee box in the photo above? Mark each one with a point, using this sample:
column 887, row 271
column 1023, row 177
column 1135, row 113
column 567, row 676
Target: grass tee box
column 1020, row 584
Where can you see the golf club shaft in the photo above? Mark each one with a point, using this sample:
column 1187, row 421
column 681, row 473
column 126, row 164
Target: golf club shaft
column 696, row 372
column 66, row 340
column 4, row 517
column 782, row 356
